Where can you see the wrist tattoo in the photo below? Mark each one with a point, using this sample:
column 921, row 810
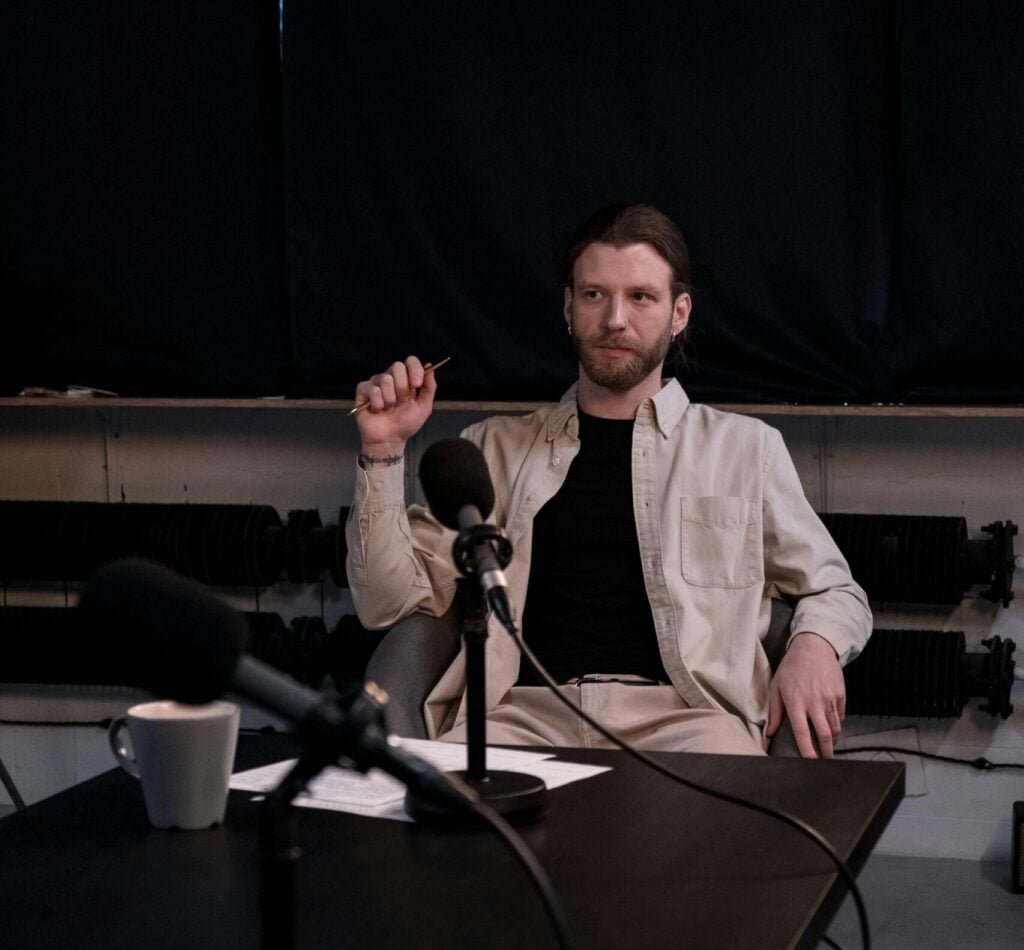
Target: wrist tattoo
column 368, row 461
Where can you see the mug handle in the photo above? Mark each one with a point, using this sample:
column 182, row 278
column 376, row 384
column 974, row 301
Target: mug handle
column 121, row 749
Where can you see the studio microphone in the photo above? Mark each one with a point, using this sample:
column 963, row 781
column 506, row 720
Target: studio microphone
column 460, row 494
column 182, row 642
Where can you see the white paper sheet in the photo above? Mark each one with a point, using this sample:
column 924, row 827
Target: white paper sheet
column 377, row 795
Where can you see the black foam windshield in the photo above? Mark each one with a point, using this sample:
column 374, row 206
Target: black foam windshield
column 454, row 474
column 175, row 637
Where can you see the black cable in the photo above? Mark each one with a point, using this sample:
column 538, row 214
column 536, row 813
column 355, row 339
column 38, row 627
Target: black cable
column 533, row 868
column 791, row 820
column 829, row 942
column 981, row 763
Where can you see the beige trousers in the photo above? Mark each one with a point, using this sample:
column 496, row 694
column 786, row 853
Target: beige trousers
column 648, row 716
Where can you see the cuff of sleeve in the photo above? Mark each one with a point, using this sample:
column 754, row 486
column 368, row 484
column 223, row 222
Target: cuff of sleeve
column 838, row 633
column 380, row 487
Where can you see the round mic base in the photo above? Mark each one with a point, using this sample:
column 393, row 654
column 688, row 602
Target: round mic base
column 517, row 797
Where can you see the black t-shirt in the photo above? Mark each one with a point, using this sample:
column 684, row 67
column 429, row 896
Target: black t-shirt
column 586, row 607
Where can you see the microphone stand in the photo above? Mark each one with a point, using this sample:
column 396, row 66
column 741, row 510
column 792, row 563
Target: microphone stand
column 279, row 854
column 517, row 797
column 326, row 737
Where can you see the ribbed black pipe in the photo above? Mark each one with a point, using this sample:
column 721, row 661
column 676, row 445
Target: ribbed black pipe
column 914, row 673
column 909, row 559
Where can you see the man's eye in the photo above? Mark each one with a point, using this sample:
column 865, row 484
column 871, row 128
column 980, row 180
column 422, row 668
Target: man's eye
column 591, row 294
column 641, row 295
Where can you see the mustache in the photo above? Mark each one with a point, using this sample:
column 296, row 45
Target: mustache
column 614, row 340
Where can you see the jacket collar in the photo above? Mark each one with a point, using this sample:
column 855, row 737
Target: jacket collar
column 668, row 405
column 669, row 402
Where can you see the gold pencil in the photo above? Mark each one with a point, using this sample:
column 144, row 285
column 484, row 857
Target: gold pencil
column 429, row 368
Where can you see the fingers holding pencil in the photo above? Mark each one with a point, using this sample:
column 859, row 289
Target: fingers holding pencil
column 401, row 381
column 392, row 406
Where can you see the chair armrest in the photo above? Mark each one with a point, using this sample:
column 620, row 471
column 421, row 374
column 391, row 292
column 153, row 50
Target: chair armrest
column 783, row 743
column 775, row 640
column 407, row 664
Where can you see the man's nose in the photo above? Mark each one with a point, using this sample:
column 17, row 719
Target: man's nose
column 618, row 317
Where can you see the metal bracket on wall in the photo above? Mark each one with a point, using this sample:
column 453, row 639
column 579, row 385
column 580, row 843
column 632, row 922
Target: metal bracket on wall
column 826, row 434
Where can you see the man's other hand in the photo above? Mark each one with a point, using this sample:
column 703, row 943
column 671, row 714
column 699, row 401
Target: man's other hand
column 808, row 686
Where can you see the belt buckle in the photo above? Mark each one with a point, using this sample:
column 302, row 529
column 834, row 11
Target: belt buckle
column 596, row 678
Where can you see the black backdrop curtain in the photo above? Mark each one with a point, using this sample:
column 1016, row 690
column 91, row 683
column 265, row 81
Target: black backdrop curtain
column 847, row 175
column 448, row 158
column 140, row 169
column 956, row 333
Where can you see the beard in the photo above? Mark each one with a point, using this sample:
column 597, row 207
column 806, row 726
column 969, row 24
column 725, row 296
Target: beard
column 620, row 375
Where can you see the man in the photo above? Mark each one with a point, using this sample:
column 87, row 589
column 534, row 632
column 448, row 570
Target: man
column 648, row 534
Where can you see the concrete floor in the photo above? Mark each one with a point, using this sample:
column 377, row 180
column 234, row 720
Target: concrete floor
column 933, row 904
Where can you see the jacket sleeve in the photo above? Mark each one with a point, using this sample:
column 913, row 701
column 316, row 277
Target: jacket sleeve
column 806, row 565
column 398, row 561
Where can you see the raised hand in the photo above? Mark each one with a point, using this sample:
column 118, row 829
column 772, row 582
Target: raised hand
column 398, row 402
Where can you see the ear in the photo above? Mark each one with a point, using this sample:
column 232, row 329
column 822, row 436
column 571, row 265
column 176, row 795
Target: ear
column 567, row 307
column 681, row 313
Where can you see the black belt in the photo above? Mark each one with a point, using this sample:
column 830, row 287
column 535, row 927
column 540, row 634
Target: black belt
column 584, row 680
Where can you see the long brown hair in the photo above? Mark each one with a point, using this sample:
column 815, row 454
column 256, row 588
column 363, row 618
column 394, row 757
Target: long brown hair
column 621, row 225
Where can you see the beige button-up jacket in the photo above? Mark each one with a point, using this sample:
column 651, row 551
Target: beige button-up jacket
column 722, row 523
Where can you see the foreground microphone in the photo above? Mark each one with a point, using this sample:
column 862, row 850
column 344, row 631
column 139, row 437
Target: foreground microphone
column 183, row 642
column 459, row 493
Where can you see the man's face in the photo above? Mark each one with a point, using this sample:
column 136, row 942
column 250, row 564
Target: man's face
column 622, row 315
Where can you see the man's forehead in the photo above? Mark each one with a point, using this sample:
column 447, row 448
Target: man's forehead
column 639, row 263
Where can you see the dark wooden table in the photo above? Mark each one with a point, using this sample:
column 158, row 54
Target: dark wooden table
column 636, row 859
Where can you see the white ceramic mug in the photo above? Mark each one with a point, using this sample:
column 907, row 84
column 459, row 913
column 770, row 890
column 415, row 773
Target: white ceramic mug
column 183, row 755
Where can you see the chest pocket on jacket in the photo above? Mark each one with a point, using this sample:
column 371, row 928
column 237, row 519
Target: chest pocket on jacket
column 721, row 543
